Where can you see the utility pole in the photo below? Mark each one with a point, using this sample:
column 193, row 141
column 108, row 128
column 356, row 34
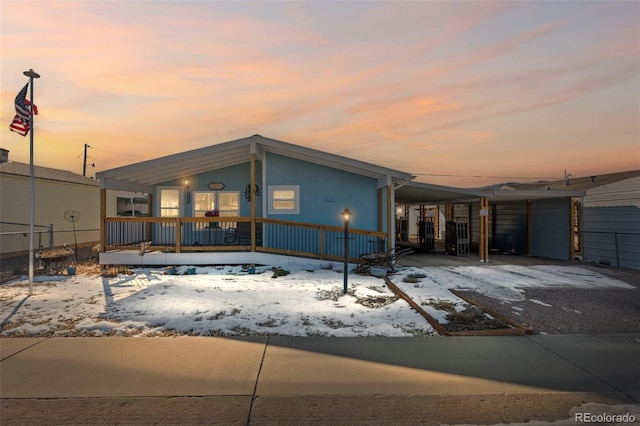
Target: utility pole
column 84, row 164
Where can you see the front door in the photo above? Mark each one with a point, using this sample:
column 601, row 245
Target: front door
column 170, row 206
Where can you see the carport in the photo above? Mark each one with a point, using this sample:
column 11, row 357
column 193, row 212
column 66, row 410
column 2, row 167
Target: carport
column 541, row 223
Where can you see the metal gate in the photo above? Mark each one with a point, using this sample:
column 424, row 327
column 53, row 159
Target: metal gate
column 457, row 240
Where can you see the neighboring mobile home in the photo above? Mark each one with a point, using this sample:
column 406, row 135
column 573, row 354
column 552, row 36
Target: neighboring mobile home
column 58, row 193
column 249, row 195
column 611, row 218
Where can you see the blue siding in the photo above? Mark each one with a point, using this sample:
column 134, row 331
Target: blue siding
column 235, row 178
column 325, row 192
column 510, row 227
column 550, row 233
column 292, row 238
column 612, row 234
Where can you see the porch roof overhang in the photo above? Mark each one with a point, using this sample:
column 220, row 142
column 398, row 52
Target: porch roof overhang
column 141, row 177
column 424, row 193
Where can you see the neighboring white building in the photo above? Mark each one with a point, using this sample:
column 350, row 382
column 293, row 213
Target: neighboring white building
column 611, row 223
column 57, row 192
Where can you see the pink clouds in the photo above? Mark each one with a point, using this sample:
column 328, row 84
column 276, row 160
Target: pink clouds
column 364, row 79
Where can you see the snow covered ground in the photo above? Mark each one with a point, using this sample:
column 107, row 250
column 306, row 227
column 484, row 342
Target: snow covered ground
column 309, row 301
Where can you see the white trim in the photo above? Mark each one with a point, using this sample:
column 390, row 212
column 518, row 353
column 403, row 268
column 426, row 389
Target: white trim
column 296, row 200
column 264, row 183
column 193, row 200
column 181, row 200
column 213, row 258
column 216, row 201
column 141, row 177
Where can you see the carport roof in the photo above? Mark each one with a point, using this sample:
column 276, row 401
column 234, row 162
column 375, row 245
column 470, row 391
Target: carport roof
column 511, row 195
column 424, row 193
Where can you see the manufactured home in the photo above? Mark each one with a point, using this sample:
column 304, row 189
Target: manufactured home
column 237, row 201
column 228, row 202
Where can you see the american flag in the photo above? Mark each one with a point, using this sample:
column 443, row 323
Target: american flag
column 19, row 126
column 20, row 122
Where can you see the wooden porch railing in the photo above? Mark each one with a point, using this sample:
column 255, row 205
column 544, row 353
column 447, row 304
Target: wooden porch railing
column 183, row 234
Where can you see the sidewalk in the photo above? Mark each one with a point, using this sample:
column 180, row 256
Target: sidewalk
column 276, row 380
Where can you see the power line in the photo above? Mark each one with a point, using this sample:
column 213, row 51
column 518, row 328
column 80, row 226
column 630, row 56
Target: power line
column 486, row 177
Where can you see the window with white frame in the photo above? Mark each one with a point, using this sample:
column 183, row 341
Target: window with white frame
column 203, row 202
column 227, row 203
column 169, row 202
column 284, row 199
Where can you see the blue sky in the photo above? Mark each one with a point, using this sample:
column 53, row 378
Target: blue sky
column 444, row 90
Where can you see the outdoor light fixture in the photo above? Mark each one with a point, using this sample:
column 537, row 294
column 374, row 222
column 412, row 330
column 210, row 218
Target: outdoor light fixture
column 346, row 216
column 187, row 187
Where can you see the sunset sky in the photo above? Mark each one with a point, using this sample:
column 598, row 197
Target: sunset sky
column 459, row 93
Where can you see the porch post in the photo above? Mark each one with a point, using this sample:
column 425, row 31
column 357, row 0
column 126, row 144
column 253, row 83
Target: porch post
column 448, row 211
column 178, row 221
column 253, row 202
column 390, row 217
column 436, row 224
column 103, row 224
column 576, row 218
column 380, row 210
column 572, row 252
column 484, row 229
column 448, row 217
column 529, row 228
column 150, row 213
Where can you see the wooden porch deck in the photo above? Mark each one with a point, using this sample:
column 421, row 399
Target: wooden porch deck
column 215, row 240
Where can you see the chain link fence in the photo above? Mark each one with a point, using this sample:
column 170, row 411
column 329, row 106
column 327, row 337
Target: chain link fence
column 14, row 237
column 14, row 243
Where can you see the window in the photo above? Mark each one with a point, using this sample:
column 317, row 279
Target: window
column 203, row 202
column 284, row 199
column 227, row 203
column 169, row 202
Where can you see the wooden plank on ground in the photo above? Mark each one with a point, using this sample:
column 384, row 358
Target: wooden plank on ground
column 492, row 312
column 515, row 330
column 401, row 294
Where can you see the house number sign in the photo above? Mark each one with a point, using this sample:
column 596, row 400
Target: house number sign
column 215, row 186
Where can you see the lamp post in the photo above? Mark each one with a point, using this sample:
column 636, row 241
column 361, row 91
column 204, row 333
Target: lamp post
column 346, row 216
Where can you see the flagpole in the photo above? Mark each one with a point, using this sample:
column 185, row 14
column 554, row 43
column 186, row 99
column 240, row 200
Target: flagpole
column 31, row 74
